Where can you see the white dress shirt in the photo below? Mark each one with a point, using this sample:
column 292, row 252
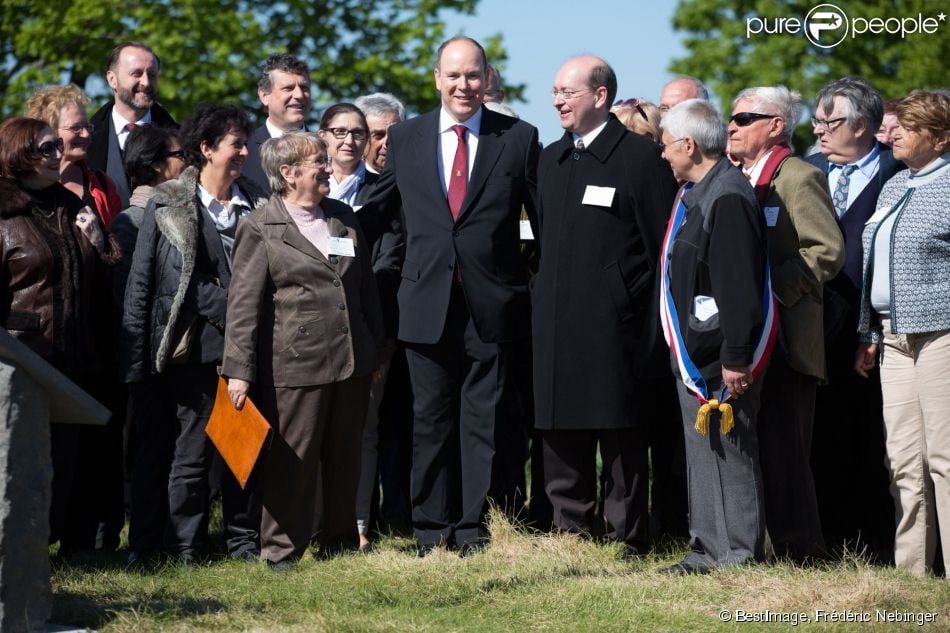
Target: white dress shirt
column 448, row 143
column 120, row 123
column 867, row 168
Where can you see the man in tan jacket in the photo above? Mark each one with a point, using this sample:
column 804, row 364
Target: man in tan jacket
column 805, row 250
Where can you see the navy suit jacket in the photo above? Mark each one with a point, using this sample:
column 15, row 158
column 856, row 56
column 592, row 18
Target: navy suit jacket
column 484, row 240
column 252, row 166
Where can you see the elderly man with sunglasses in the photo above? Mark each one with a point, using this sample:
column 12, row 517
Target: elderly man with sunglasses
column 806, row 249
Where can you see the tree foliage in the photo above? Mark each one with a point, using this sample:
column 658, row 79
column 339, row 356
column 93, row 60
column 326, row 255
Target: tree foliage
column 212, row 51
column 722, row 56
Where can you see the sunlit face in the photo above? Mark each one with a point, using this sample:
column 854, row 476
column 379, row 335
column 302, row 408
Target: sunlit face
column 378, row 136
column 583, row 111
column 838, row 141
column 173, row 164
column 460, row 79
column 134, row 80
column 74, row 130
column 47, row 157
column 676, row 92
column 917, row 149
column 229, row 154
column 674, row 152
column 886, row 132
column 750, row 142
column 346, row 152
column 288, row 102
column 311, row 176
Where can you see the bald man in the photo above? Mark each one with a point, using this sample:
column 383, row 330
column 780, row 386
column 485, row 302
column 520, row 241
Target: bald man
column 679, row 90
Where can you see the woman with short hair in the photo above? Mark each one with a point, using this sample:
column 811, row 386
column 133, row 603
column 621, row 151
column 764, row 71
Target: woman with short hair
column 304, row 327
column 905, row 321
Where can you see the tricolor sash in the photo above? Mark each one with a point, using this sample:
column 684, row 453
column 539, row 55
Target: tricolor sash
column 689, row 373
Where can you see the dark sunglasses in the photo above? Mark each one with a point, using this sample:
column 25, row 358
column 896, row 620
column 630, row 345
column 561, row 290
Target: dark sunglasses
column 178, row 153
column 631, row 103
column 747, row 118
column 49, row 148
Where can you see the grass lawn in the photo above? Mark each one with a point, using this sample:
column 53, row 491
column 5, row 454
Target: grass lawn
column 521, row 583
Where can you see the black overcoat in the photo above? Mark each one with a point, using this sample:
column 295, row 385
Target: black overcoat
column 595, row 326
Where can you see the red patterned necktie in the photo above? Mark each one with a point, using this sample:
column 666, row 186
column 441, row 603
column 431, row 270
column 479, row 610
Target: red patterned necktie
column 458, row 179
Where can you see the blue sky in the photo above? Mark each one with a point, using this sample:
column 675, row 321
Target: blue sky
column 634, row 36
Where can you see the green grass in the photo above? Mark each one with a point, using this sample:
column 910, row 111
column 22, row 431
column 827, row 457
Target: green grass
column 523, row 582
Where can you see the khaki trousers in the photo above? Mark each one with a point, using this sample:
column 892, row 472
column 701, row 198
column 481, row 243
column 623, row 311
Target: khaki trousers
column 915, row 380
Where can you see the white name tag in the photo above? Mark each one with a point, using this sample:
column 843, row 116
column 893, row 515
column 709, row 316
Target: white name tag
column 526, row 232
column 704, row 308
column 341, row 246
column 771, row 215
column 599, row 196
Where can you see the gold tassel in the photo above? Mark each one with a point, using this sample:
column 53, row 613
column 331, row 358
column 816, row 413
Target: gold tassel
column 727, row 422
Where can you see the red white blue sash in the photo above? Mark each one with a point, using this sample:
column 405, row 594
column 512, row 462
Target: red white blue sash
column 689, row 373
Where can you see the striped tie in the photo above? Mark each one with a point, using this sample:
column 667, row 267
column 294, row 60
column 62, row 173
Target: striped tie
column 840, row 197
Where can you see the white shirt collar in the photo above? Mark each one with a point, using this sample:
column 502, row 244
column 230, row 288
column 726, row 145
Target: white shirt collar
column 867, row 164
column 276, row 132
column 473, row 123
column 590, row 136
column 119, row 122
column 756, row 170
column 220, row 212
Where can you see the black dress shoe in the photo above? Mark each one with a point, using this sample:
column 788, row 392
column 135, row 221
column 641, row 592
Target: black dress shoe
column 468, row 549
column 281, row 565
column 249, row 556
column 425, row 549
column 684, row 569
column 366, row 548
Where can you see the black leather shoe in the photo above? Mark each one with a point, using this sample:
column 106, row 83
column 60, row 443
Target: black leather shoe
column 684, row 569
column 425, row 549
column 281, row 565
column 468, row 549
column 249, row 556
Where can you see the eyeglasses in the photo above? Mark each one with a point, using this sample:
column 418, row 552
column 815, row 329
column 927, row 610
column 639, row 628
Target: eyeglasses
column 50, row 148
column 663, row 146
column 178, row 153
column 828, row 125
column 77, row 129
column 743, row 119
column 340, row 133
column 324, row 162
column 567, row 95
column 632, row 103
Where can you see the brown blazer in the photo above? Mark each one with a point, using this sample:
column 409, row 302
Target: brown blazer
column 806, row 249
column 296, row 318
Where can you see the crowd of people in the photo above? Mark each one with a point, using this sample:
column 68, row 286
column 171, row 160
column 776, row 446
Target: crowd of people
column 749, row 341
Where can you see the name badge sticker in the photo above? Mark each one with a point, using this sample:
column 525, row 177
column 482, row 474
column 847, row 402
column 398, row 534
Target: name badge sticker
column 771, row 215
column 341, row 246
column 599, row 196
column 525, row 228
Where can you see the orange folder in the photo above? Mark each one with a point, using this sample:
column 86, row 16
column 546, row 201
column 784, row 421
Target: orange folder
column 238, row 435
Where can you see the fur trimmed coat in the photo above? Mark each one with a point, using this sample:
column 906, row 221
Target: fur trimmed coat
column 179, row 276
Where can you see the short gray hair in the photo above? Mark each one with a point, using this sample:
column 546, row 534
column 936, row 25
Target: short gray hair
column 778, row 100
column 379, row 104
column 501, row 108
column 289, row 149
column 699, row 120
column 862, row 101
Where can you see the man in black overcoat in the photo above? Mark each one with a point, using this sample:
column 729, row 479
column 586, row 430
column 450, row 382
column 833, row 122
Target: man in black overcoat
column 604, row 199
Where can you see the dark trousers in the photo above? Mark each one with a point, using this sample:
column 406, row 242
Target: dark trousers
column 848, row 458
column 458, row 399
column 316, row 441
column 570, row 476
column 171, row 464
column 786, row 417
column 668, row 499
column 395, row 445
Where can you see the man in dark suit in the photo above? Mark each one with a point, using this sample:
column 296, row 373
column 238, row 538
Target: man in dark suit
column 284, row 89
column 133, row 77
column 604, row 199
column 848, row 447
column 461, row 174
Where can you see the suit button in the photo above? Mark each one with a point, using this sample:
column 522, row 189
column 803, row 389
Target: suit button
column 344, row 329
column 336, row 283
column 302, row 329
column 456, row 233
column 342, row 306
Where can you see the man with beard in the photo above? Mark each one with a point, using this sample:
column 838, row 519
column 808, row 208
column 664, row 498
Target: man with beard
column 133, row 77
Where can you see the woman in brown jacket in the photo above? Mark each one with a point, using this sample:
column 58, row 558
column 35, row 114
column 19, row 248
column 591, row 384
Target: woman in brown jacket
column 304, row 325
